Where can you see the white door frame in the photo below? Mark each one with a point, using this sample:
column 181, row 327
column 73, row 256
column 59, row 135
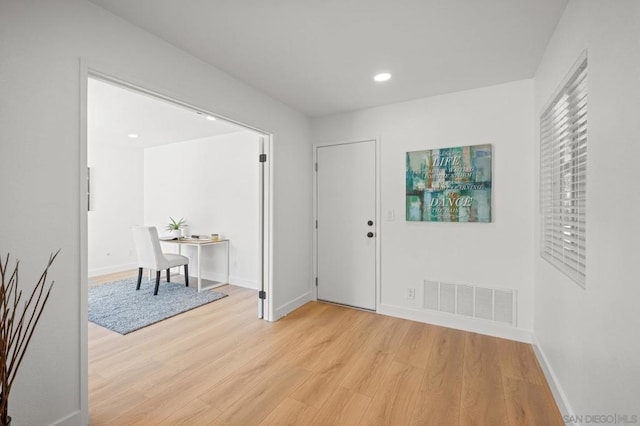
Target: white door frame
column 102, row 72
column 378, row 219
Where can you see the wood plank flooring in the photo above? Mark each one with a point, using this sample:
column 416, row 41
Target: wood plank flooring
column 321, row 365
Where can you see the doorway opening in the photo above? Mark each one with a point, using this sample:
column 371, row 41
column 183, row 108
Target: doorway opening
column 152, row 160
column 147, row 158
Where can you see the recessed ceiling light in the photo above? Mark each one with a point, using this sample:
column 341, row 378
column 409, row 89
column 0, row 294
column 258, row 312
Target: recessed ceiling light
column 383, row 76
column 132, row 135
column 210, row 118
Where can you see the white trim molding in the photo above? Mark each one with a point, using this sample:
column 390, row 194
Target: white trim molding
column 292, row 305
column 556, row 389
column 243, row 282
column 112, row 269
column 473, row 325
column 72, row 419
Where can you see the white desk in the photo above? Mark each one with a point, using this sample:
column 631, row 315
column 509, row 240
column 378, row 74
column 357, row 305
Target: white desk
column 199, row 244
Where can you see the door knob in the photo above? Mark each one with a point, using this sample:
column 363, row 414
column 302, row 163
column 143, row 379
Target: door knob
column 370, row 234
column 370, row 223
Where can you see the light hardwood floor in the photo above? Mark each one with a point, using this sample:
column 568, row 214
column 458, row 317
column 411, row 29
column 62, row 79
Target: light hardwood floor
column 321, row 365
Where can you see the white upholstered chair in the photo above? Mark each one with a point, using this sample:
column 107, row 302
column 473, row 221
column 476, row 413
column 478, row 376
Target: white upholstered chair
column 150, row 255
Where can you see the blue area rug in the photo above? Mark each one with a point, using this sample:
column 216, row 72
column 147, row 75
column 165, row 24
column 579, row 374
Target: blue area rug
column 120, row 308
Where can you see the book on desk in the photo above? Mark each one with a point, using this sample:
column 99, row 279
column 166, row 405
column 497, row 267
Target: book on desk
column 212, row 237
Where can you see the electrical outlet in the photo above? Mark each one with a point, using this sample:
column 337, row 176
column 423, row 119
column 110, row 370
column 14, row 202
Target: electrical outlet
column 411, row 293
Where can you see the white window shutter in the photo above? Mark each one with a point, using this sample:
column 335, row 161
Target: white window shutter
column 563, row 177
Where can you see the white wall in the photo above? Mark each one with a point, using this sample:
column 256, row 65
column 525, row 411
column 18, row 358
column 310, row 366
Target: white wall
column 494, row 255
column 117, row 204
column 213, row 184
column 42, row 43
column 590, row 336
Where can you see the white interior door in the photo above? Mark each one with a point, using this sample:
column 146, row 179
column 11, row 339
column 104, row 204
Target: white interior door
column 346, row 199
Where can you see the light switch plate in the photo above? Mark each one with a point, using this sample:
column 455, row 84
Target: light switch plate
column 391, row 215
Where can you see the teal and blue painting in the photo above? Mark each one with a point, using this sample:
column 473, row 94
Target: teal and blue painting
column 449, row 184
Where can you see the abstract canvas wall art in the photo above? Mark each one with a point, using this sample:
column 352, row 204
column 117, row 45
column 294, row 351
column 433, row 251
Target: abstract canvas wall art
column 449, row 184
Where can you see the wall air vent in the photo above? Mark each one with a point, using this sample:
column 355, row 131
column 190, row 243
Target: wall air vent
column 471, row 301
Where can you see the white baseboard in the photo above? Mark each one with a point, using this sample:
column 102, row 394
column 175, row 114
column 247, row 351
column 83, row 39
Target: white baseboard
column 209, row 276
column 111, row 269
column 233, row 280
column 556, row 389
column 461, row 323
column 73, row 419
column 291, row 306
column 242, row 282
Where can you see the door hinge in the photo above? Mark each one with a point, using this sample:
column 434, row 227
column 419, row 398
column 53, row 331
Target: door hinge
column 316, row 167
column 262, row 294
column 316, row 281
column 263, row 158
column 316, row 223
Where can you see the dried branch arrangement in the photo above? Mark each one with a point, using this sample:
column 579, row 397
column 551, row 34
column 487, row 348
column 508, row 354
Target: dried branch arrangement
column 18, row 321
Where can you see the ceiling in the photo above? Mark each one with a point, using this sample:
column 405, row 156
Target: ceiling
column 320, row 56
column 114, row 112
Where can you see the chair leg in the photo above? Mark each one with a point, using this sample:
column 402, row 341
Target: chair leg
column 155, row 292
column 168, row 275
column 139, row 278
column 186, row 275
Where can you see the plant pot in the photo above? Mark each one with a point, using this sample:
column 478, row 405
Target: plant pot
column 176, row 233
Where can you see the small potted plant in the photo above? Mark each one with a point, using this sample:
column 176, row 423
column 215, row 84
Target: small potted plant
column 175, row 227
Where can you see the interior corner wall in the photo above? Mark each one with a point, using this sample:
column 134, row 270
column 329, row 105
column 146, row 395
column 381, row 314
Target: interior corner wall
column 493, row 255
column 116, row 206
column 44, row 45
column 213, row 184
column 589, row 337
